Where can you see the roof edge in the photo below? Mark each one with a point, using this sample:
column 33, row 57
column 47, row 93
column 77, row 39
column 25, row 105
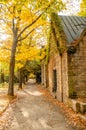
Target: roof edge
column 76, row 41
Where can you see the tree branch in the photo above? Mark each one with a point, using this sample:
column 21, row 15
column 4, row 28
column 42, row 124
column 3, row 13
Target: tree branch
column 35, row 19
column 26, row 35
column 29, row 25
column 6, row 48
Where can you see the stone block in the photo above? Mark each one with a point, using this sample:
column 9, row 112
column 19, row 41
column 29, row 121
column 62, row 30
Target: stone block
column 75, row 106
column 83, row 108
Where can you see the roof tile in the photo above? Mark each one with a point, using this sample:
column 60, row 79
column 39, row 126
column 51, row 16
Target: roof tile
column 73, row 26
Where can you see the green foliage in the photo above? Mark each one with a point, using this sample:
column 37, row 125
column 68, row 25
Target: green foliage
column 47, row 53
column 34, row 67
column 71, row 82
column 48, row 45
column 62, row 49
column 57, row 21
column 58, row 34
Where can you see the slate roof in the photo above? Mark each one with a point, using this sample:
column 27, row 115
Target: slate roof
column 73, row 26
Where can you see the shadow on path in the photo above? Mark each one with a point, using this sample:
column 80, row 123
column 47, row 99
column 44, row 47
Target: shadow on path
column 33, row 111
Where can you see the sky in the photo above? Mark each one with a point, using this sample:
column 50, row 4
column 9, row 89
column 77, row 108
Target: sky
column 72, row 7
column 3, row 36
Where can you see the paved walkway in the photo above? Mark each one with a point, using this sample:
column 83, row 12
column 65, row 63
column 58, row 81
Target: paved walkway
column 33, row 111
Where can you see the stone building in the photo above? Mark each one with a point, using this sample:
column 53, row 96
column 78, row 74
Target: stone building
column 65, row 71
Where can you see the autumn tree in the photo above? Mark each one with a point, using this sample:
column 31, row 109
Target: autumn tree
column 21, row 19
column 26, row 52
column 4, row 59
column 82, row 8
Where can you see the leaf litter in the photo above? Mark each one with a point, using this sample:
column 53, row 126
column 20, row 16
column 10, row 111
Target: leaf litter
column 72, row 117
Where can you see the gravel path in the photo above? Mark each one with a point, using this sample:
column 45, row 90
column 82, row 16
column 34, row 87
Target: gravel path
column 33, row 111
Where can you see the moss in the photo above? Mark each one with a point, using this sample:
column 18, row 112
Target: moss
column 55, row 38
column 47, row 54
column 62, row 49
column 72, row 93
column 57, row 21
column 48, row 47
column 58, row 33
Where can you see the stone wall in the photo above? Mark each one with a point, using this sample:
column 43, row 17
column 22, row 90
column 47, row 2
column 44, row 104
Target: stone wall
column 59, row 63
column 65, row 77
column 51, row 66
column 77, row 70
column 54, row 64
column 43, row 73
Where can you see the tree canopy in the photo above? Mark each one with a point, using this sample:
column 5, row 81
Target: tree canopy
column 20, row 19
column 82, row 8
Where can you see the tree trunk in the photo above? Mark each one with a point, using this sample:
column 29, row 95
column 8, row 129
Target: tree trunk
column 26, row 78
column 20, row 79
column 12, row 66
column 2, row 77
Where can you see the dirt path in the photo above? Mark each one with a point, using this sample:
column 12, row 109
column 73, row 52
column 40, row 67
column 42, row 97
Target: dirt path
column 34, row 112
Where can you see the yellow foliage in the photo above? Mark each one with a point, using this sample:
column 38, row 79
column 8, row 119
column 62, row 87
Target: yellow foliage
column 82, row 8
column 18, row 15
column 4, row 55
column 25, row 53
